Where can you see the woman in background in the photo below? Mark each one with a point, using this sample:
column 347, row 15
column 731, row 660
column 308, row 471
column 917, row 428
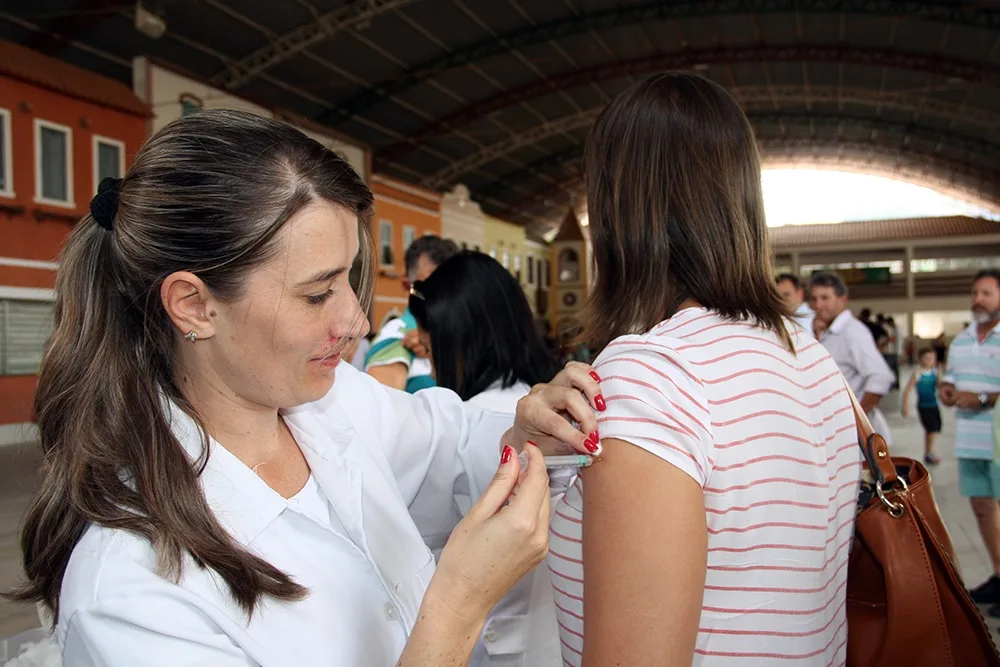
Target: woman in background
column 475, row 320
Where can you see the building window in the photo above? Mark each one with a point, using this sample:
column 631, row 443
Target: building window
column 517, row 263
column 531, row 270
column 569, row 266
column 409, row 235
column 493, row 253
column 6, row 157
column 385, row 242
column 109, row 159
column 25, row 326
column 505, row 259
column 53, row 164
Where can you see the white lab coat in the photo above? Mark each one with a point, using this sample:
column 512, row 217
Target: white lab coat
column 394, row 467
column 522, row 630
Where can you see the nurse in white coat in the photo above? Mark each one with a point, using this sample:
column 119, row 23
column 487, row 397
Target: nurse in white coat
column 211, row 496
column 473, row 316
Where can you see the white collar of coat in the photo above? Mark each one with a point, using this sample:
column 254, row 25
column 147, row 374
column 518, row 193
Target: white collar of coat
column 840, row 321
column 242, row 501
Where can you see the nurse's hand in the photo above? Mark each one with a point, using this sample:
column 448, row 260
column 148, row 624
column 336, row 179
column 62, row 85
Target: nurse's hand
column 546, row 414
column 495, row 545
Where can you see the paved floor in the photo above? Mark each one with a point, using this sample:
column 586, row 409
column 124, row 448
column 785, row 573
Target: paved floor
column 18, row 479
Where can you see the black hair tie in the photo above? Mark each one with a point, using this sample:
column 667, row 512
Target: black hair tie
column 104, row 205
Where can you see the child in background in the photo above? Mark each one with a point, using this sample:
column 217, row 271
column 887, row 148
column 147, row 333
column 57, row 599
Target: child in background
column 925, row 379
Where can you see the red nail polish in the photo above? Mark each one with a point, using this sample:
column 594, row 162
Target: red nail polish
column 593, row 436
column 531, row 443
column 508, row 452
column 591, row 445
column 599, row 402
column 593, row 374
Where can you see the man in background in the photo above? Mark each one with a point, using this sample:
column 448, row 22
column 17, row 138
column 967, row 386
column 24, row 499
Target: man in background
column 877, row 331
column 794, row 294
column 396, row 358
column 971, row 383
column 890, row 345
column 851, row 345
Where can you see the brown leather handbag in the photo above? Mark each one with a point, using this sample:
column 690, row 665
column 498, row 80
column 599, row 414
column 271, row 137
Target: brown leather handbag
column 906, row 602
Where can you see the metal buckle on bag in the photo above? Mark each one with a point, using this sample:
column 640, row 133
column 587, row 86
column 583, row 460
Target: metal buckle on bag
column 895, row 509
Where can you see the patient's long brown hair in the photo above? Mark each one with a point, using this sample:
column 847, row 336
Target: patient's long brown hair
column 206, row 194
column 676, row 210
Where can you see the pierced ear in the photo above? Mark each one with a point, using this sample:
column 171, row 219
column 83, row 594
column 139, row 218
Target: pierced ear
column 189, row 304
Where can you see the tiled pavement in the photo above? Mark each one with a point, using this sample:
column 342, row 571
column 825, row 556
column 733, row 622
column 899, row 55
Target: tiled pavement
column 17, row 480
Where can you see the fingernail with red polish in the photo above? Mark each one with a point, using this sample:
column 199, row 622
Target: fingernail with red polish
column 593, row 374
column 531, row 443
column 592, row 443
column 599, row 402
column 507, row 453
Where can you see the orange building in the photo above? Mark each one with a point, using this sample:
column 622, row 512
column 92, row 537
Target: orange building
column 62, row 129
column 403, row 212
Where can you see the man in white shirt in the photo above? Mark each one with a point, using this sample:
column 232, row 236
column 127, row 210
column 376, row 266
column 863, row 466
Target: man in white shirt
column 794, row 294
column 851, row 345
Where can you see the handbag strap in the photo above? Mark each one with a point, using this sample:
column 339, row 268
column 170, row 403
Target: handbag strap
column 873, row 445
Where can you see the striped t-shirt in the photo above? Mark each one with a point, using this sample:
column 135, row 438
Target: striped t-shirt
column 771, row 439
column 974, row 367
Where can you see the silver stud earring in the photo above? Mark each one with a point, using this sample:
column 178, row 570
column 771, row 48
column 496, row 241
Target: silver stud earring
column 191, row 336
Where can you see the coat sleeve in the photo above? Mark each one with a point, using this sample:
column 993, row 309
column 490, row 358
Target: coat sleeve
column 146, row 629
column 442, row 452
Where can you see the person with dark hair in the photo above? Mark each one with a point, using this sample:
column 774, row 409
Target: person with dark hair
column 473, row 316
column 727, row 428
column 878, row 332
column 890, row 346
column 794, row 294
column 971, row 384
column 395, row 357
column 218, row 488
column 851, row 345
column 925, row 381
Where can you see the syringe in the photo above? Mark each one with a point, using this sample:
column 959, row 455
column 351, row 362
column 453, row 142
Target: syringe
column 568, row 461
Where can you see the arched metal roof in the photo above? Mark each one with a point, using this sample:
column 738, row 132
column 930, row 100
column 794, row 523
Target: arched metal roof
column 498, row 94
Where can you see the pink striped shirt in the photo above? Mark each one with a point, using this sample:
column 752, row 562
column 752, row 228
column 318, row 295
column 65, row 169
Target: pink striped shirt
column 770, row 437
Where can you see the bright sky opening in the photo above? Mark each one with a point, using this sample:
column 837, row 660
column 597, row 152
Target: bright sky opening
column 810, row 196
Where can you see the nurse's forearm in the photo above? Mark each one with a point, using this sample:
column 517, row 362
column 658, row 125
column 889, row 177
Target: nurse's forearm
column 441, row 637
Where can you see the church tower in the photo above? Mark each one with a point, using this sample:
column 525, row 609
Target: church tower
column 570, row 279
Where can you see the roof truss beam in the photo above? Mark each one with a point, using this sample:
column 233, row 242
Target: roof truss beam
column 759, row 120
column 283, row 47
column 974, row 15
column 585, row 118
column 970, row 72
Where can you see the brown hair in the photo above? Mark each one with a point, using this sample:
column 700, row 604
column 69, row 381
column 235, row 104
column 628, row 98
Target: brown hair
column 206, row 194
column 676, row 211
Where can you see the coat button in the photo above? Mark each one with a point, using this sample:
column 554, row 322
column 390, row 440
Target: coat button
column 490, row 636
column 390, row 611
